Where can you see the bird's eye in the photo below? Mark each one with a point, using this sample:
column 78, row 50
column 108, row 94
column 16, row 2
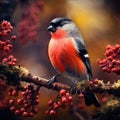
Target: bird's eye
column 61, row 24
column 53, row 24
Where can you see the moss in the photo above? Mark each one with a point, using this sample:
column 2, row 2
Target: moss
column 116, row 84
column 12, row 73
column 110, row 111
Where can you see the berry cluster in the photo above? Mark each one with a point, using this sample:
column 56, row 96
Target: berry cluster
column 6, row 39
column 81, row 101
column 5, row 45
column 112, row 61
column 93, row 83
column 5, row 28
column 27, row 28
column 63, row 100
column 11, row 60
column 25, row 105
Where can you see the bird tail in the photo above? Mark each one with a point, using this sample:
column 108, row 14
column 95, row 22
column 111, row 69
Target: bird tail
column 91, row 98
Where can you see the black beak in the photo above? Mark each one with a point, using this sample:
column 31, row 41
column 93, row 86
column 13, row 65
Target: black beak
column 51, row 28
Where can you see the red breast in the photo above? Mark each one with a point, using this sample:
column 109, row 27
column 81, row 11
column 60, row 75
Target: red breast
column 63, row 54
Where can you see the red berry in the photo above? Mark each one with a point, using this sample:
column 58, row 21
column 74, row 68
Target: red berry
column 11, row 27
column 62, row 92
column 25, row 114
column 50, row 102
column 26, row 105
column 17, row 112
column 5, row 34
column 13, row 37
column 10, row 57
column 22, row 109
column 9, row 46
column 59, row 103
column 23, row 93
column 95, row 81
column 64, row 100
column 67, row 94
column 31, row 114
column 36, row 101
column 20, row 101
column 4, row 60
column 13, row 63
column 28, row 97
column 108, row 47
column 117, row 46
column 9, row 31
column 81, row 95
column 14, row 60
column 114, row 61
column 11, row 102
column 10, row 92
column 110, row 58
column 8, row 42
column 15, row 93
column 37, row 97
column 56, row 106
column 70, row 99
column 10, row 63
column 81, row 106
column 104, row 61
column 25, row 101
column 90, row 83
column 6, row 49
column 12, row 109
column 52, row 113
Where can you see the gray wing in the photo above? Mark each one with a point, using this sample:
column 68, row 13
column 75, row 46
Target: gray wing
column 81, row 48
column 84, row 55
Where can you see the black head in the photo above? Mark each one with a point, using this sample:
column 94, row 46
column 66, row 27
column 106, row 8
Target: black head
column 58, row 22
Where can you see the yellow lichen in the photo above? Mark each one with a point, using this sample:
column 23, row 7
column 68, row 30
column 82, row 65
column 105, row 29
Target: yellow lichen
column 100, row 83
column 113, row 103
column 23, row 71
column 116, row 84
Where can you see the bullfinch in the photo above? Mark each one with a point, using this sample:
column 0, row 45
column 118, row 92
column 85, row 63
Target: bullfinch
column 68, row 55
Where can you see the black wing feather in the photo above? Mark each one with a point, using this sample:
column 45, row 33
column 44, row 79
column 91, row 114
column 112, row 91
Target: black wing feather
column 86, row 61
column 82, row 52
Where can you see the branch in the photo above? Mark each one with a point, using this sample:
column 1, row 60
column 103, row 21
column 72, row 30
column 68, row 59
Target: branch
column 99, row 88
column 15, row 74
column 43, row 82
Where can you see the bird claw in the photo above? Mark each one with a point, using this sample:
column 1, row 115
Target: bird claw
column 53, row 79
column 74, row 89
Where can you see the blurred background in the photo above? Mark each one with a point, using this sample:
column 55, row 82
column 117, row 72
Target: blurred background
column 98, row 21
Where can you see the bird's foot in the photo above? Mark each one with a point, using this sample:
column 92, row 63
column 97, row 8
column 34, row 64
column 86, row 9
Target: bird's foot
column 51, row 80
column 73, row 89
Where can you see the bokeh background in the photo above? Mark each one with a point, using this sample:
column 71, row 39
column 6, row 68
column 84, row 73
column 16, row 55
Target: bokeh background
column 98, row 21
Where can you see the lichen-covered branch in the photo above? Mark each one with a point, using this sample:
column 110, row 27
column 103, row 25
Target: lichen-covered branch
column 15, row 74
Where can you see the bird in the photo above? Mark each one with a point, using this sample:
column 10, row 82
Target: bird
column 68, row 54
